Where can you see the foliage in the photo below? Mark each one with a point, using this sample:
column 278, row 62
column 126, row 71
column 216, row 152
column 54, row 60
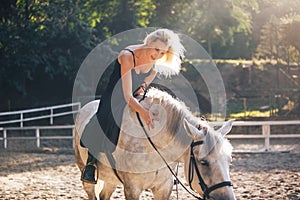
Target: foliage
column 213, row 23
column 115, row 16
column 41, row 39
column 279, row 37
column 42, row 42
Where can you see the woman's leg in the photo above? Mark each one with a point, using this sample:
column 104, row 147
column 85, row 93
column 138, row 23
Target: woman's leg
column 88, row 174
column 89, row 140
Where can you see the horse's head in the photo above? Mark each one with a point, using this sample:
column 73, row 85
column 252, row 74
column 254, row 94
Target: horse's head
column 207, row 169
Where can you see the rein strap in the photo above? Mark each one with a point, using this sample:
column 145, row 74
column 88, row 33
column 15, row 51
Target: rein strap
column 192, row 165
column 168, row 166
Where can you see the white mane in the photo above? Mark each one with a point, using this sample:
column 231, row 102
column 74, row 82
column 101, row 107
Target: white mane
column 177, row 111
column 175, row 108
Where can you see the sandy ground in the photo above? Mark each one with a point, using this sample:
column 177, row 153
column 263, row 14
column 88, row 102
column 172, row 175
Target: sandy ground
column 53, row 175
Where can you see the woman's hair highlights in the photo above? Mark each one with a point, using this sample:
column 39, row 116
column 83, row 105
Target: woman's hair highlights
column 170, row 63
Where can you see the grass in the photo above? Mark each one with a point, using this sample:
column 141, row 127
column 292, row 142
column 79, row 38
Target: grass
column 252, row 113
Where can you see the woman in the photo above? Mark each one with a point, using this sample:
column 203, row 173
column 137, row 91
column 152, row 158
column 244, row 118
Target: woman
column 135, row 68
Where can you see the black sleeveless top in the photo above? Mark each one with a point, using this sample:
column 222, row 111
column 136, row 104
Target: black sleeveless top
column 112, row 104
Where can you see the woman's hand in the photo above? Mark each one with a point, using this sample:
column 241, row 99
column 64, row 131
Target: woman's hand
column 139, row 91
column 149, row 116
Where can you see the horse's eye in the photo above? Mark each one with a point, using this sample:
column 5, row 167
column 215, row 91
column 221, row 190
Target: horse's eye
column 204, row 163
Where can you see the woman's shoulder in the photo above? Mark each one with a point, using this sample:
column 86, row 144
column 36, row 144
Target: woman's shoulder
column 125, row 58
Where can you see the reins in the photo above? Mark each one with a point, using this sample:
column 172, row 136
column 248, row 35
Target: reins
column 164, row 160
column 192, row 165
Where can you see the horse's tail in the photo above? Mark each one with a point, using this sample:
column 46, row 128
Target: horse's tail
column 82, row 119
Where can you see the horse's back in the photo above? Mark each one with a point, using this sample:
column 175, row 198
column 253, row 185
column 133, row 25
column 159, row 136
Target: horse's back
column 82, row 119
column 85, row 114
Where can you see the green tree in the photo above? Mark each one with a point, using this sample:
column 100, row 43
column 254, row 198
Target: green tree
column 212, row 23
column 291, row 40
column 270, row 39
column 40, row 41
column 110, row 17
column 279, row 38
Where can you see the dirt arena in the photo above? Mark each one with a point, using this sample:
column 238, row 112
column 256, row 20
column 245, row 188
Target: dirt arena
column 53, row 175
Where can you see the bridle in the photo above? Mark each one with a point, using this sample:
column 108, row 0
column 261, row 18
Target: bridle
column 193, row 165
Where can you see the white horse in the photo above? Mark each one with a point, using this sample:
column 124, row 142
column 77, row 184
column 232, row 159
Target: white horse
column 178, row 136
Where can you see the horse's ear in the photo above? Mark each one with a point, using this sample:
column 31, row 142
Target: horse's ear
column 191, row 130
column 226, row 128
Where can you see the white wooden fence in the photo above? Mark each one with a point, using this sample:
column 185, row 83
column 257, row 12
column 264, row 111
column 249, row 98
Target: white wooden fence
column 266, row 130
column 266, row 126
column 37, row 136
column 51, row 109
column 71, row 107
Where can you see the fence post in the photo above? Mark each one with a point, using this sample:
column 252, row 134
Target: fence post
column 266, row 133
column 37, row 133
column 51, row 116
column 5, row 138
column 21, row 119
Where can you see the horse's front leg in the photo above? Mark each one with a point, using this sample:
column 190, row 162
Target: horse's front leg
column 90, row 190
column 162, row 191
column 132, row 191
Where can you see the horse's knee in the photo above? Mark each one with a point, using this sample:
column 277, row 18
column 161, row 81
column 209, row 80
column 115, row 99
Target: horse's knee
column 132, row 193
column 163, row 191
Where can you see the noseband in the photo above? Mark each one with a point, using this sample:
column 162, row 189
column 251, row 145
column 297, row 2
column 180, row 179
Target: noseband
column 192, row 165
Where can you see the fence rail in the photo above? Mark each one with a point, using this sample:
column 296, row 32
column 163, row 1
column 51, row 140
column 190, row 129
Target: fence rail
column 67, row 109
column 37, row 136
column 51, row 115
column 266, row 132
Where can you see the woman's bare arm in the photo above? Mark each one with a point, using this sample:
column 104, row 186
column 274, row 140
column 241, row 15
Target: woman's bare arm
column 127, row 65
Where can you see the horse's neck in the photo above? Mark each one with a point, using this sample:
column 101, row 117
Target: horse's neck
column 133, row 138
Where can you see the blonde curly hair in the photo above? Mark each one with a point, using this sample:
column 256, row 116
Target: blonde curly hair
column 170, row 63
